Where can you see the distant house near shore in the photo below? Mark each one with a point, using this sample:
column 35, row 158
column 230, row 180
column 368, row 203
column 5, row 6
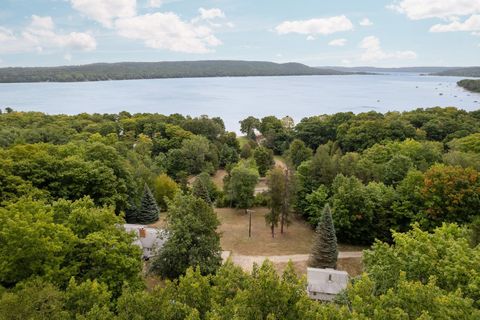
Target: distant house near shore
column 325, row 284
column 150, row 240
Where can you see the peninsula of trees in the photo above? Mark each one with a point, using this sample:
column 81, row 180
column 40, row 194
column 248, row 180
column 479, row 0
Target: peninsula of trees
column 460, row 72
column 470, row 85
column 159, row 70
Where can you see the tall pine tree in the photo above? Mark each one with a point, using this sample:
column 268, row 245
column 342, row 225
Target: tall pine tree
column 148, row 211
column 324, row 251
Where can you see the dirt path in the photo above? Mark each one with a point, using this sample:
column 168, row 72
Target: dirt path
column 261, row 186
column 246, row 262
column 280, row 163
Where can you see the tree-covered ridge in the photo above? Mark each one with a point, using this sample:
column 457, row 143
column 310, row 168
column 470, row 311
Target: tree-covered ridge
column 470, row 85
column 158, row 70
column 460, row 72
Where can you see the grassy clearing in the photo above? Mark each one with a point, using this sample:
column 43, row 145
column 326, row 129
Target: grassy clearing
column 217, row 178
column 234, row 228
column 297, row 238
column 242, row 141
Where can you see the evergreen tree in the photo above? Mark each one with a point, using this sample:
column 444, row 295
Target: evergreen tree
column 131, row 215
column 324, row 251
column 148, row 211
column 204, row 188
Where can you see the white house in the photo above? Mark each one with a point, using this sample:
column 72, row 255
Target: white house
column 325, row 284
column 150, row 240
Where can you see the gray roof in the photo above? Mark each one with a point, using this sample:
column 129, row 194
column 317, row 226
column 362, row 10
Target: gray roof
column 153, row 238
column 327, row 281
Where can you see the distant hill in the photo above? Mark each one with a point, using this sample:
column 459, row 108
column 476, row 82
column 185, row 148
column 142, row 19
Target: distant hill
column 383, row 70
column 461, row 72
column 156, row 70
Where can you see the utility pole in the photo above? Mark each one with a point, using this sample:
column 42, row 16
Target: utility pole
column 250, row 223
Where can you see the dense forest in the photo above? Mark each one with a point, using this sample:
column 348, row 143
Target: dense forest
column 470, row 85
column 460, row 72
column 157, row 70
column 406, row 184
column 399, row 69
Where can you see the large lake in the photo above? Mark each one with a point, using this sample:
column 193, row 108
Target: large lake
column 234, row 99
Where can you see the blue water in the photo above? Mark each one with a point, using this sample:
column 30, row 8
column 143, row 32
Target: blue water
column 234, row 99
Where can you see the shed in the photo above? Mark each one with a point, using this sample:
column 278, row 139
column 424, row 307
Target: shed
column 325, row 284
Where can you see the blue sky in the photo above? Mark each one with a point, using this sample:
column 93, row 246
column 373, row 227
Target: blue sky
column 318, row 33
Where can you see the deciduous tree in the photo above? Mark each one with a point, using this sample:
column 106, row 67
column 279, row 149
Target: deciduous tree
column 298, row 152
column 264, row 159
column 192, row 238
column 241, row 185
column 164, row 189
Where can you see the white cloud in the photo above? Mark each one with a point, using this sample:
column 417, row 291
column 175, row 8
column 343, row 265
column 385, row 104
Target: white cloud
column 310, row 38
column 155, row 3
column 322, row 26
column 346, row 61
column 374, row 52
column 40, row 35
column 338, row 42
column 68, row 57
column 105, row 11
column 444, row 9
column 365, row 22
column 168, row 31
column 209, row 14
column 471, row 24
column 42, row 23
column 6, row 35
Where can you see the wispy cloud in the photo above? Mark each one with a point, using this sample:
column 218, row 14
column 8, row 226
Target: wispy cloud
column 365, row 22
column 321, row 26
column 338, row 43
column 471, row 24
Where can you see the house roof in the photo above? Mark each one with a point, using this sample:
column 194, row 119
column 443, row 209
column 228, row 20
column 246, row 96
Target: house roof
column 152, row 237
column 327, row 281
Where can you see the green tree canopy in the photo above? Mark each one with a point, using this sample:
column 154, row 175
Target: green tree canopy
column 63, row 240
column 298, row 152
column 241, row 185
column 264, row 159
column 445, row 254
column 164, row 189
column 192, row 238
